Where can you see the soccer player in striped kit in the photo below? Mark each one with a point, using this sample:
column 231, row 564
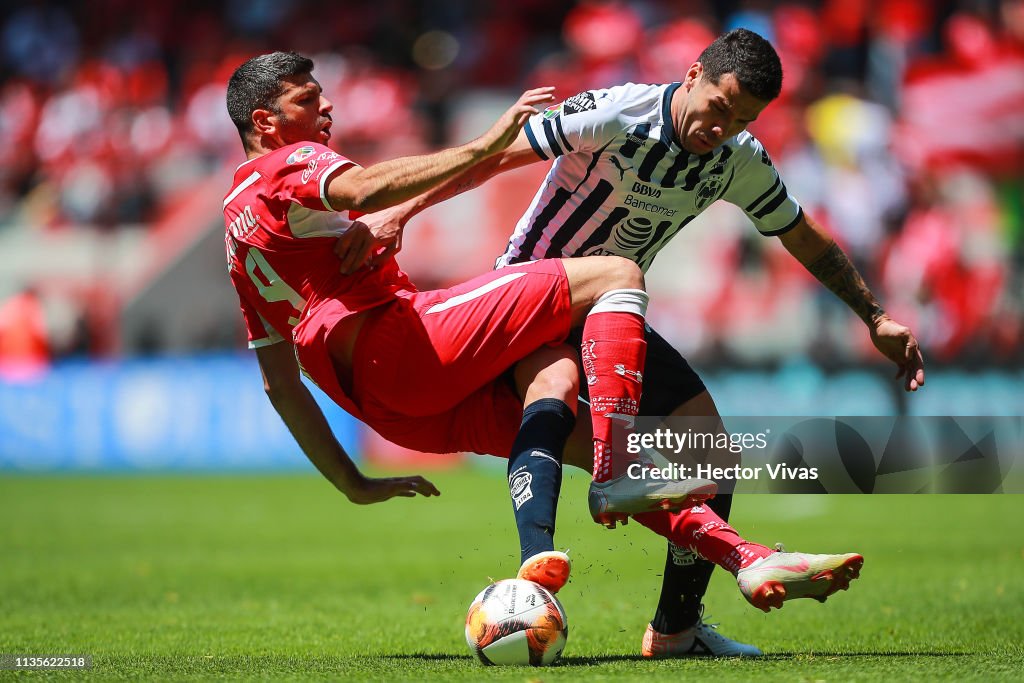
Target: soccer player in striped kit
column 631, row 166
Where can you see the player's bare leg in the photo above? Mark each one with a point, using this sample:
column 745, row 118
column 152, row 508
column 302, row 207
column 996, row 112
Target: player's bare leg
column 609, row 301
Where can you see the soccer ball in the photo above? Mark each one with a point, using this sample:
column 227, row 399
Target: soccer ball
column 516, row 622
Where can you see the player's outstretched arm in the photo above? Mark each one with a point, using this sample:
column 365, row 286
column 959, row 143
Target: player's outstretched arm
column 392, row 182
column 381, row 232
column 824, row 259
column 304, row 419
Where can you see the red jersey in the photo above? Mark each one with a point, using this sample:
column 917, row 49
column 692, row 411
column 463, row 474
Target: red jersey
column 280, row 234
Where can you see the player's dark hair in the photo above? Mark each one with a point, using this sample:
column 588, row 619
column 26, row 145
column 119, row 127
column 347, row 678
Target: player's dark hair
column 750, row 57
column 256, row 84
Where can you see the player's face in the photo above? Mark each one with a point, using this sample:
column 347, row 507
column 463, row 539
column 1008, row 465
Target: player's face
column 712, row 113
column 304, row 113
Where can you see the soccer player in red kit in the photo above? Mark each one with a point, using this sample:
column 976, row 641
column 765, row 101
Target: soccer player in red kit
column 428, row 370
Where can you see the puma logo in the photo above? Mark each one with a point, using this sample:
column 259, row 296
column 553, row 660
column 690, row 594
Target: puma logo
column 621, row 169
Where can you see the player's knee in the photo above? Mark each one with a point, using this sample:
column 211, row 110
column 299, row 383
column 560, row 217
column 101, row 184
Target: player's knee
column 559, row 381
column 549, row 373
column 622, row 273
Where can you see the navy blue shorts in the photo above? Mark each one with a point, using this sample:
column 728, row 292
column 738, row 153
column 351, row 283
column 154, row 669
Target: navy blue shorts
column 669, row 381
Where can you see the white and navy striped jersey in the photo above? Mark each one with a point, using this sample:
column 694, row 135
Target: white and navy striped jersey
column 621, row 184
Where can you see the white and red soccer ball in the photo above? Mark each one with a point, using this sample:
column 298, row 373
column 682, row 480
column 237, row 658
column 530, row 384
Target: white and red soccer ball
column 516, row 622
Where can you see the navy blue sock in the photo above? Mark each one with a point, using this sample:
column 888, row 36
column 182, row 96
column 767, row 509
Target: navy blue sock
column 535, row 472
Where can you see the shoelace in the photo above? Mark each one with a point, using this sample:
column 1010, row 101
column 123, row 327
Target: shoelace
column 710, row 635
column 713, row 626
column 701, row 622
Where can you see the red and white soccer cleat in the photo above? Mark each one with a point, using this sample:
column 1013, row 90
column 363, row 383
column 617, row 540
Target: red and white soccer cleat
column 550, row 569
column 782, row 576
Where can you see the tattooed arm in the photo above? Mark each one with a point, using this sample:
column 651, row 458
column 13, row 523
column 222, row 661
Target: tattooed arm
column 823, row 258
column 832, row 267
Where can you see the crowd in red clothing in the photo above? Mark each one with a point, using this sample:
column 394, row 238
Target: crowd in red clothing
column 899, row 125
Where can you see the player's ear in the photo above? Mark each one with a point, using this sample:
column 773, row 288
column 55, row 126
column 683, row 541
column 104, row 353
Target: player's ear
column 693, row 75
column 264, row 122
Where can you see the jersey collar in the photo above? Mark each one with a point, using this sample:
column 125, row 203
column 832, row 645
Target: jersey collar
column 247, row 161
column 668, row 130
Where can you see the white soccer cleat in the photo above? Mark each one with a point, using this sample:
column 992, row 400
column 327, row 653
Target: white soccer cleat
column 615, row 500
column 550, row 569
column 700, row 640
column 782, row 576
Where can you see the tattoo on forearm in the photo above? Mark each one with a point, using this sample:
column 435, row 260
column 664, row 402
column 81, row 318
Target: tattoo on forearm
column 834, row 270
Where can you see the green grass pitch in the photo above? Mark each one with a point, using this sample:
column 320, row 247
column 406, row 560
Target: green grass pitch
column 278, row 577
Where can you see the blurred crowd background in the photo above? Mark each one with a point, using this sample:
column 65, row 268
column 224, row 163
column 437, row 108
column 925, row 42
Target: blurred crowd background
column 900, row 127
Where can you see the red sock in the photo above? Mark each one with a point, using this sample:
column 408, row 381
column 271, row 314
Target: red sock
column 705, row 533
column 613, row 353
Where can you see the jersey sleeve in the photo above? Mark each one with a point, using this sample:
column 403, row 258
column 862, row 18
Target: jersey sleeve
column 303, row 173
column 582, row 123
column 757, row 188
column 260, row 333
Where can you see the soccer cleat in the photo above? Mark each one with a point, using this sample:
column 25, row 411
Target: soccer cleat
column 615, row 500
column 782, row 576
column 700, row 640
column 550, row 569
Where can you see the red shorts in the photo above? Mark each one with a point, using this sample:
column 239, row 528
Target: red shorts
column 427, row 368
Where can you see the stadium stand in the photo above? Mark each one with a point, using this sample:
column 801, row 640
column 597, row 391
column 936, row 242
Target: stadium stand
column 898, row 125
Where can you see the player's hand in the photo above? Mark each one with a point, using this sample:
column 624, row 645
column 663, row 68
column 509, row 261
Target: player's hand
column 897, row 343
column 376, row 490
column 374, row 238
column 354, row 247
column 504, row 132
column 388, row 227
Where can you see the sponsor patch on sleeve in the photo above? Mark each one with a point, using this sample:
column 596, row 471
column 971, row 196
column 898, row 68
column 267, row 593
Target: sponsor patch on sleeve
column 584, row 101
column 300, row 155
